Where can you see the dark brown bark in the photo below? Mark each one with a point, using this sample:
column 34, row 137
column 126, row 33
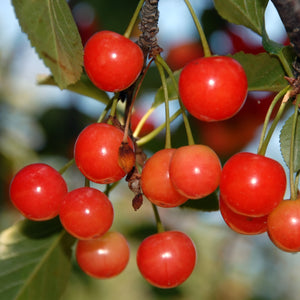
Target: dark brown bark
column 289, row 12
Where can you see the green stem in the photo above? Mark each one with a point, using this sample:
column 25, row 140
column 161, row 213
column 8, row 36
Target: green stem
column 264, row 141
column 132, row 22
column 285, row 64
column 105, row 111
column 66, row 166
column 184, row 115
column 292, row 151
column 142, row 122
column 159, row 225
column 145, row 139
column 87, row 182
column 110, row 187
column 204, row 42
column 167, row 111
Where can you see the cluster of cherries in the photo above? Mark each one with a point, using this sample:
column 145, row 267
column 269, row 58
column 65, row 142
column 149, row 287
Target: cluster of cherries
column 251, row 186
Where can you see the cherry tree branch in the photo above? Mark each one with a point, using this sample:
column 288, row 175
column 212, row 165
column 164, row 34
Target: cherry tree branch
column 289, row 12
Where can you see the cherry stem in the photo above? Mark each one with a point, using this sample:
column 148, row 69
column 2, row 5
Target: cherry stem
column 204, row 42
column 87, row 182
column 110, row 187
column 293, row 187
column 285, row 64
column 67, row 166
column 167, row 111
column 264, row 141
column 106, row 109
column 133, row 20
column 142, row 122
column 159, row 225
column 137, row 89
column 145, row 139
column 182, row 108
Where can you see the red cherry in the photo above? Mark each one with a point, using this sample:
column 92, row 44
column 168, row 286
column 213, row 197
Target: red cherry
column 252, row 184
column 104, row 257
column 166, row 259
column 284, row 225
column 242, row 224
column 213, row 88
column 181, row 54
column 195, row 171
column 86, row 213
column 230, row 136
column 37, row 191
column 96, row 153
column 112, row 61
column 155, row 180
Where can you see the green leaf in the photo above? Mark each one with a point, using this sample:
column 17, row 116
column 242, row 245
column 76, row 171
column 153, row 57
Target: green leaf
column 249, row 13
column 34, row 260
column 208, row 203
column 264, row 71
column 285, row 142
column 269, row 45
column 83, row 87
column 52, row 31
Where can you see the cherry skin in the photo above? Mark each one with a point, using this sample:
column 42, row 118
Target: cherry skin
column 195, row 171
column 112, row 61
column 242, row 224
column 155, row 180
column 96, row 153
column 213, row 88
column 86, row 213
column 284, row 225
column 104, row 257
column 37, row 191
column 252, row 184
column 181, row 54
column 166, row 259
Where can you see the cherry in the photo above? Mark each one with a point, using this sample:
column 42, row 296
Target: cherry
column 37, row 191
column 86, row 213
column 284, row 225
column 166, row 259
column 183, row 53
column 242, row 224
column 112, row 61
column 213, row 88
column 104, row 257
column 195, row 171
column 96, row 153
column 155, row 180
column 252, row 184
column 230, row 136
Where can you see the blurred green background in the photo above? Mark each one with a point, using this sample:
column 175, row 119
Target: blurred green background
column 41, row 123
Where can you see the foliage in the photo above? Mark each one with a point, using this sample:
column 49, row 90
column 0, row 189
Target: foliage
column 35, row 257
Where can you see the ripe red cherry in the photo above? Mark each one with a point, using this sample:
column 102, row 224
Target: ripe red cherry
column 37, row 191
column 104, row 257
column 284, row 225
column 112, row 61
column 155, row 181
column 252, row 184
column 181, row 54
column 86, row 213
column 166, row 259
column 195, row 171
column 96, row 153
column 213, row 88
column 242, row 224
